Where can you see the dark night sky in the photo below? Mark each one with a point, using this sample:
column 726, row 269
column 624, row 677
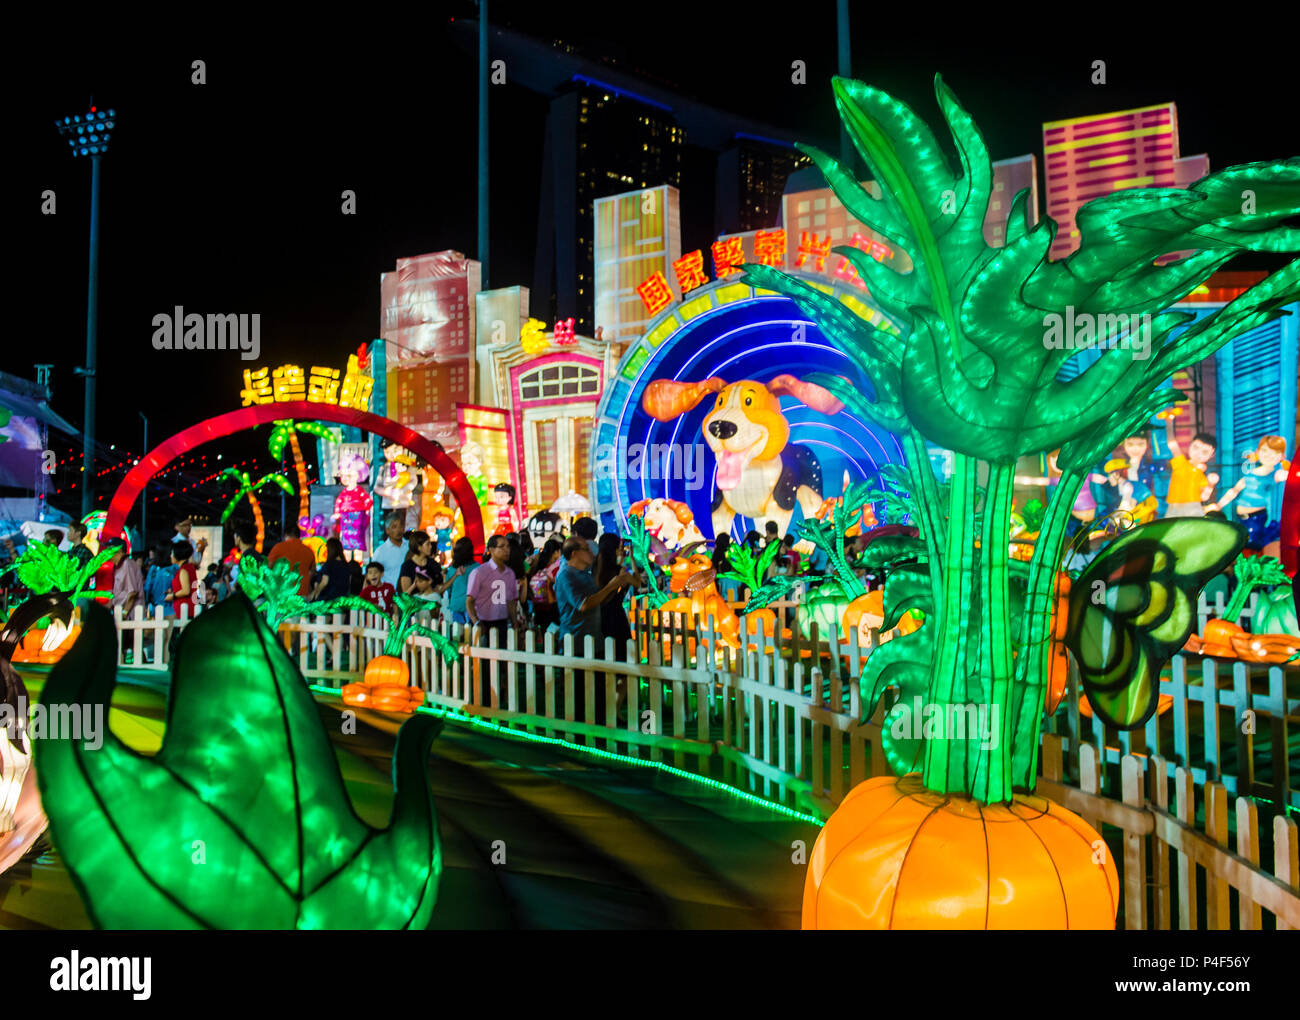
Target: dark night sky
column 225, row 197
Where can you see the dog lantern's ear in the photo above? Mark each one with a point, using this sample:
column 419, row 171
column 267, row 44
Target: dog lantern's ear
column 666, row 399
column 816, row 397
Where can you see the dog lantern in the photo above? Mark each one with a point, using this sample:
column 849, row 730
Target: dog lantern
column 760, row 473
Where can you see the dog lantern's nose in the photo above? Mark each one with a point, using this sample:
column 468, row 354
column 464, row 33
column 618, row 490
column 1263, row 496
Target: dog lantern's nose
column 720, row 428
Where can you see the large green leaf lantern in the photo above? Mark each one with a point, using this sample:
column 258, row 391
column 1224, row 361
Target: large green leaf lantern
column 241, row 820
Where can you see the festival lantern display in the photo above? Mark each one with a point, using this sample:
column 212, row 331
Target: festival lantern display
column 241, row 820
column 246, row 487
column 396, row 478
column 387, row 683
column 314, row 531
column 286, row 431
column 41, row 629
column 973, row 374
column 352, row 506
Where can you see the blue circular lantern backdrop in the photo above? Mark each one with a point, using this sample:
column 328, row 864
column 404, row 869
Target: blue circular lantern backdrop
column 730, row 331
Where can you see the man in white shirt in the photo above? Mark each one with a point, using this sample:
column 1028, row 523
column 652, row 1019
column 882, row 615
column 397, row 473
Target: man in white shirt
column 183, row 527
column 392, row 551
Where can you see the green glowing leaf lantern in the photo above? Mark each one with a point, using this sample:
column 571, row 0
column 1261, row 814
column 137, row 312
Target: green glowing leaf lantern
column 241, row 820
column 1135, row 605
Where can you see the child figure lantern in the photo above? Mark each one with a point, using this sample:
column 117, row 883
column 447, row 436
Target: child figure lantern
column 352, row 506
column 503, row 499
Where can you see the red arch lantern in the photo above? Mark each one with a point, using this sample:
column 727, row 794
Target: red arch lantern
column 261, row 414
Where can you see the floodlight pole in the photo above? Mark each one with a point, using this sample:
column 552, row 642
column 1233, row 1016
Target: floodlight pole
column 484, row 75
column 92, row 345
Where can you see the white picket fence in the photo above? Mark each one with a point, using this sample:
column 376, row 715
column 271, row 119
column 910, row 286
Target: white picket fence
column 784, row 719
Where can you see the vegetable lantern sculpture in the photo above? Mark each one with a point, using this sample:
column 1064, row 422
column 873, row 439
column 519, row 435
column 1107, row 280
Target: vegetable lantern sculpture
column 1274, row 635
column 277, row 585
column 387, row 683
column 241, row 820
column 975, row 372
column 39, row 630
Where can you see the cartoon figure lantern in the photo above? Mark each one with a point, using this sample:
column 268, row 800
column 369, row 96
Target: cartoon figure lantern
column 396, row 482
column 352, row 506
column 503, row 499
column 761, row 474
column 668, row 520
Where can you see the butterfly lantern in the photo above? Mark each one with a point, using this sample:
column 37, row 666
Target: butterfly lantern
column 1135, row 605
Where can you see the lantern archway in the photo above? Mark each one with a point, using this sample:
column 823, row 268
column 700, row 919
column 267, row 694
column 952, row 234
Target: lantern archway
column 260, row 414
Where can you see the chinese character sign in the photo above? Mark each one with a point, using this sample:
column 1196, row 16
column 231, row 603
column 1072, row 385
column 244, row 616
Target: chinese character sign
column 655, row 293
column 563, row 335
column 289, row 383
column 690, row 271
column 356, row 388
column 818, row 248
column 769, row 247
column 727, row 257
column 323, row 385
column 533, row 336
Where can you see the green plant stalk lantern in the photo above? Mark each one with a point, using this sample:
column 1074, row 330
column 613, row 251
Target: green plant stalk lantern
column 976, row 373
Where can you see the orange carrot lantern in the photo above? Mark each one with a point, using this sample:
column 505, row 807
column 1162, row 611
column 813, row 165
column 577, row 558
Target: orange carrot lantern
column 1058, row 675
column 896, row 856
column 862, row 614
column 1269, row 648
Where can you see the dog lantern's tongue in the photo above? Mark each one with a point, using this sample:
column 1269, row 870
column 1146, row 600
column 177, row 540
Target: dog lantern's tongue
column 730, row 467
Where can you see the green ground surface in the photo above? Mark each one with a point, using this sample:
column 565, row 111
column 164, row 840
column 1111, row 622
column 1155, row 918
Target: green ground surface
column 586, row 843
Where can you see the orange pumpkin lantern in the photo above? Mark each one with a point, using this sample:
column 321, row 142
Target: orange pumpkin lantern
column 896, row 856
column 387, row 671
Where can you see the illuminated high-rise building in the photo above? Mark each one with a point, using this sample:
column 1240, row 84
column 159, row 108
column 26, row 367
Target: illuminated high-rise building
column 636, row 235
column 600, row 141
column 1087, row 157
column 1010, row 177
column 427, row 311
column 751, row 180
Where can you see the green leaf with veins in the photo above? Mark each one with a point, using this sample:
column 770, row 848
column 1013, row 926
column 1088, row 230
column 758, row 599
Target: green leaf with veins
column 241, row 820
